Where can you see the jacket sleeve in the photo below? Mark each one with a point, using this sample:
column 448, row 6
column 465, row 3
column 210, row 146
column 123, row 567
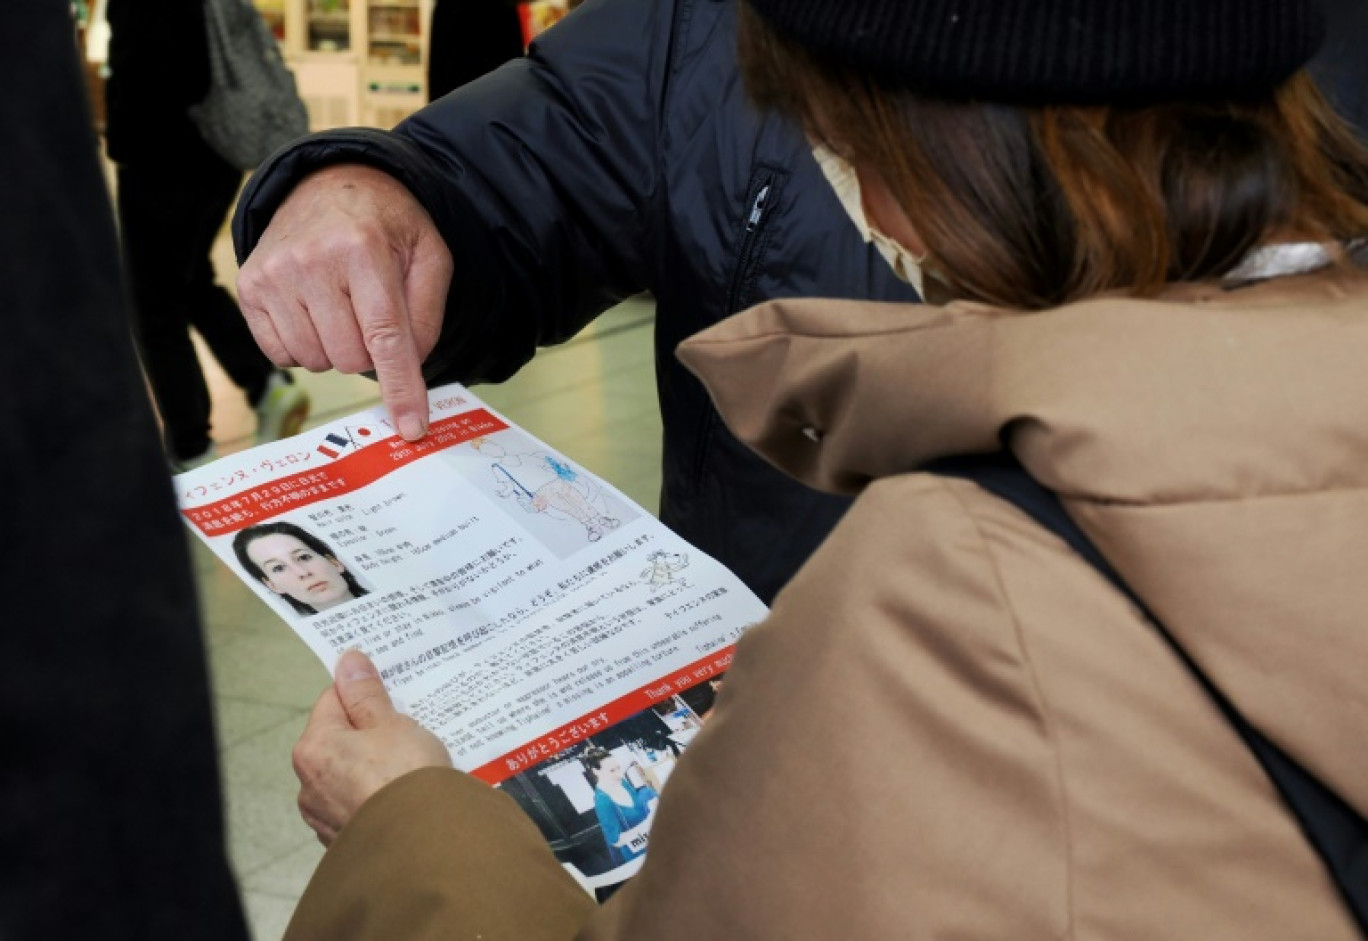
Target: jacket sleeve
column 541, row 177
column 479, row 868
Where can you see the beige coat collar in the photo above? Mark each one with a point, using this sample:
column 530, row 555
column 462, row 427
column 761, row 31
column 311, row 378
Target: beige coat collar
column 1247, row 375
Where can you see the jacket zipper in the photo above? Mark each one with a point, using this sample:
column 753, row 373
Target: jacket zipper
column 748, row 242
column 757, row 200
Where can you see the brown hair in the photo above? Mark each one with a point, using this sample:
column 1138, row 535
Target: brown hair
column 1034, row 206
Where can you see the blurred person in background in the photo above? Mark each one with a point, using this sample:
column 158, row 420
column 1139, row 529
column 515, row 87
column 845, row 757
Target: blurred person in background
column 174, row 193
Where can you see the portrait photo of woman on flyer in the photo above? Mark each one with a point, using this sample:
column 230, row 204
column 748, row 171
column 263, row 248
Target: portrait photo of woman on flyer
column 624, row 810
column 297, row 566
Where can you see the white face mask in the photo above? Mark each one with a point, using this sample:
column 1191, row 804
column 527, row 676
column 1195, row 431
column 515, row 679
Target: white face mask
column 841, row 175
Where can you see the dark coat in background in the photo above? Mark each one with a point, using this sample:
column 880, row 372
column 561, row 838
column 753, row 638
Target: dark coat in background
column 110, row 817
column 158, row 68
column 468, row 39
column 1341, row 69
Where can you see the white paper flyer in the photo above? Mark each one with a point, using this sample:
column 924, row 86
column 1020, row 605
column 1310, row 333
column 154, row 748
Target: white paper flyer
column 562, row 642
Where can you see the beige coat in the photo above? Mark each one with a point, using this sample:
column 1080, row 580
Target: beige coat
column 951, row 727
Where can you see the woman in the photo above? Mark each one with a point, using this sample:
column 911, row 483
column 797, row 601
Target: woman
column 951, row 726
column 296, row 565
column 623, row 810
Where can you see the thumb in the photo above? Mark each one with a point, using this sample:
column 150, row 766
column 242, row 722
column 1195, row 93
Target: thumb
column 360, row 690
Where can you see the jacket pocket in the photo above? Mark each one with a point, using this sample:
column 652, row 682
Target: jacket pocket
column 762, row 197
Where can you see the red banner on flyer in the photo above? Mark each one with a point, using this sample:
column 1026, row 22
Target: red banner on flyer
column 345, row 474
column 604, row 718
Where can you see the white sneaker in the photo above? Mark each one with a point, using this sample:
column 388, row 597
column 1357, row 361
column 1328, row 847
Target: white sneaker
column 282, row 409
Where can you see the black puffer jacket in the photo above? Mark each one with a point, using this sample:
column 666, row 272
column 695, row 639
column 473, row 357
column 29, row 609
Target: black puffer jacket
column 622, row 156
column 1341, row 69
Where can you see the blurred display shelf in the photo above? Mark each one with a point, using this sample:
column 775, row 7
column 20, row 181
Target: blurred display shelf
column 357, row 62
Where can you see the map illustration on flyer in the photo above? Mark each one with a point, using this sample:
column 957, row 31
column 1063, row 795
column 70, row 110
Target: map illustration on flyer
column 561, row 641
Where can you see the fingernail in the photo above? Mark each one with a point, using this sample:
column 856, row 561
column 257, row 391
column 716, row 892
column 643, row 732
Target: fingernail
column 354, row 665
column 411, row 427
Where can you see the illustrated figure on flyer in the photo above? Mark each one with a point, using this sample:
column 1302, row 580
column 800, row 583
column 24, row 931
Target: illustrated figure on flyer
column 624, row 810
column 540, row 482
column 296, row 565
column 662, row 568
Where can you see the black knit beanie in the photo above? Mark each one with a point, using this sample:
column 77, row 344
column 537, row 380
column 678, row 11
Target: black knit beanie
column 1059, row 51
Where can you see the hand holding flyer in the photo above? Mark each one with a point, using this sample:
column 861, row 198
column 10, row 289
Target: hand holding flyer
column 523, row 610
column 355, row 744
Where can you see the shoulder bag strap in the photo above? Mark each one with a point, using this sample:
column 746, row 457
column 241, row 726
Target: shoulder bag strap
column 1337, row 831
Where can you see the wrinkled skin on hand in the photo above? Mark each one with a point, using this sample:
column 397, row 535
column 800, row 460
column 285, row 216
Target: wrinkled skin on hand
column 351, row 274
column 355, row 743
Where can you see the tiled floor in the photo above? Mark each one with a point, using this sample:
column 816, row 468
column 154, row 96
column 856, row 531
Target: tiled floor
column 593, row 398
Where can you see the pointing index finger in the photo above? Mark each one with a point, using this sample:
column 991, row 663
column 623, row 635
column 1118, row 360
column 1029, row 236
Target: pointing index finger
column 387, row 332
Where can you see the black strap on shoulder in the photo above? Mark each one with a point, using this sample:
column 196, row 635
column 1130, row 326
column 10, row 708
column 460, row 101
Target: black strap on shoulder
column 1337, row 831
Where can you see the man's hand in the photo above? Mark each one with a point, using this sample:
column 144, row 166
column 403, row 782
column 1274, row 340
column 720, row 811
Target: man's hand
column 355, row 744
column 351, row 275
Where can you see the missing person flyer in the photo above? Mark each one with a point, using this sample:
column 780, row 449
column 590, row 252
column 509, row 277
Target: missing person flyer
column 563, row 643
